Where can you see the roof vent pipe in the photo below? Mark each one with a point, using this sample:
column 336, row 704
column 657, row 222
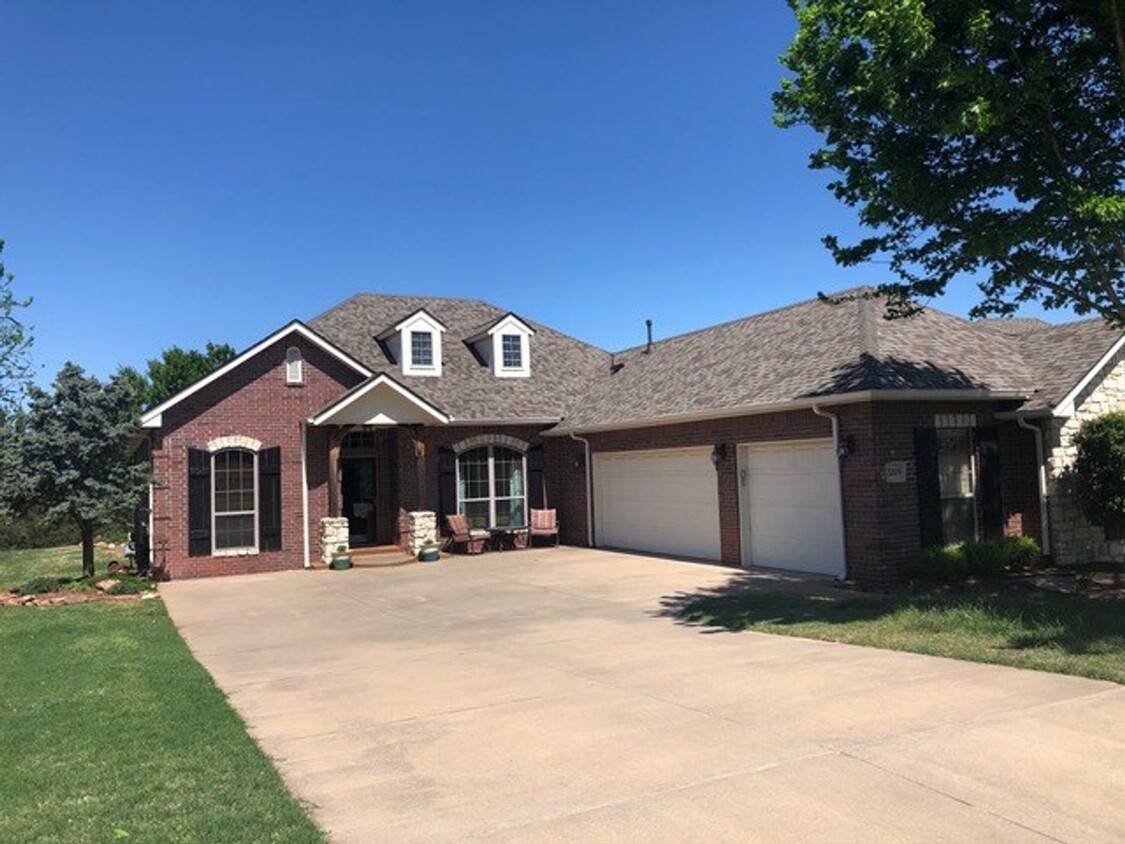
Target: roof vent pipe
column 648, row 328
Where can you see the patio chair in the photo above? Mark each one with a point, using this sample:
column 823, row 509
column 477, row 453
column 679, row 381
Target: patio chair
column 460, row 533
column 544, row 523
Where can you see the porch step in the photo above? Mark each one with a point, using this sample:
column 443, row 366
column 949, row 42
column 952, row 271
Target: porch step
column 379, row 555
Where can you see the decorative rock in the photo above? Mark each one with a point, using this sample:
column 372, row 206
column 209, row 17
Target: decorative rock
column 105, row 585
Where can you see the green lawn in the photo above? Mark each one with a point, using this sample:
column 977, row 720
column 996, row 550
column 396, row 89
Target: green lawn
column 1039, row 630
column 19, row 567
column 111, row 731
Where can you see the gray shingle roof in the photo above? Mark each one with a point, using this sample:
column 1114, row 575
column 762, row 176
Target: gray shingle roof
column 802, row 351
column 562, row 368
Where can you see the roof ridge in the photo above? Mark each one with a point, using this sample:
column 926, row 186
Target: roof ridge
column 851, row 291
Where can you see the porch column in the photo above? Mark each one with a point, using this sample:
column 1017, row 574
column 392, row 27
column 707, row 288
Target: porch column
column 335, row 441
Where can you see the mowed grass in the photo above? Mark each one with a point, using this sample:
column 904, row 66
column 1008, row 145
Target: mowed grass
column 110, row 731
column 1027, row 629
column 20, row 567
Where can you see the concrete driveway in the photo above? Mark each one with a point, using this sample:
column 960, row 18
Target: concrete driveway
column 542, row 696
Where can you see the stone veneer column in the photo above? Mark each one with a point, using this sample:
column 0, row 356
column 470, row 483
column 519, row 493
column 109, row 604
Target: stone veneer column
column 333, row 533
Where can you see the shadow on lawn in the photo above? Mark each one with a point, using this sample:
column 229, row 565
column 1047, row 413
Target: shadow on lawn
column 998, row 615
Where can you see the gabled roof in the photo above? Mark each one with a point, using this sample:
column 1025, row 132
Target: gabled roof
column 404, row 406
column 564, row 369
column 492, row 326
column 418, row 316
column 153, row 418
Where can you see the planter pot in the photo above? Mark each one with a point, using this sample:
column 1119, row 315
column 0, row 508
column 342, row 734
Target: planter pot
column 429, row 555
column 340, row 563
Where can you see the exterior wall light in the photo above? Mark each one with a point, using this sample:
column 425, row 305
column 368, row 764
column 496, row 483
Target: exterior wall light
column 718, row 454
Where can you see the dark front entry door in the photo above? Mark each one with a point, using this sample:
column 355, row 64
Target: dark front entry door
column 358, row 483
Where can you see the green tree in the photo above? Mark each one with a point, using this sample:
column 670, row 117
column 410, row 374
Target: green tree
column 15, row 340
column 1099, row 472
column 174, row 370
column 982, row 137
column 69, row 456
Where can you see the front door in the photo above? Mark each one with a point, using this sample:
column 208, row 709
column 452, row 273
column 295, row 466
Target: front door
column 358, row 487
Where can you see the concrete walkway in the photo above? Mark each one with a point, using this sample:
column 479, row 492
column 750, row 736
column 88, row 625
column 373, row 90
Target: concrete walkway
column 543, row 696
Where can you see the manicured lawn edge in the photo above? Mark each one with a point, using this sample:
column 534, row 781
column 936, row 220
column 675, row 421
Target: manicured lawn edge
column 111, row 731
column 1028, row 629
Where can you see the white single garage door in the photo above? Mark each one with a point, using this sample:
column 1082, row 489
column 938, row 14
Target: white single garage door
column 791, row 507
column 665, row 502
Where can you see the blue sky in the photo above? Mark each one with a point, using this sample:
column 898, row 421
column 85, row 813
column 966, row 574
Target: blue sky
column 176, row 173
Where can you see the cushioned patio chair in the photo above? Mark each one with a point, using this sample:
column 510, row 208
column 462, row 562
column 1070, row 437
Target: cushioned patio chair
column 544, row 523
column 460, row 533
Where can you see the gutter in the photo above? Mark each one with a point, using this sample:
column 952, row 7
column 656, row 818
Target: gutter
column 589, row 493
column 1041, row 478
column 835, row 420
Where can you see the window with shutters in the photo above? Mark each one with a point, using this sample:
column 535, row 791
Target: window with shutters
column 491, row 487
column 234, row 501
column 957, row 484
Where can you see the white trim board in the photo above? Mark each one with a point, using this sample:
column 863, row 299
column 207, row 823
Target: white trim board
column 1065, row 407
column 382, row 380
column 154, row 418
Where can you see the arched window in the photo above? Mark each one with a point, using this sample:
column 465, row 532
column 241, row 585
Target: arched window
column 234, row 500
column 294, row 366
column 491, row 486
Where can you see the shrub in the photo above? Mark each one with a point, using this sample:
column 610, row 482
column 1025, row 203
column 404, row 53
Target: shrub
column 40, row 586
column 1099, row 472
column 941, row 564
column 1020, row 552
column 985, row 558
column 129, row 585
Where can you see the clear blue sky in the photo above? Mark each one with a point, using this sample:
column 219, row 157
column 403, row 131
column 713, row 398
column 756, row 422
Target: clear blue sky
column 174, row 173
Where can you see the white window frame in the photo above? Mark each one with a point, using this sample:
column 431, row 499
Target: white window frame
column 519, row 344
column 294, row 366
column 420, row 333
column 492, row 497
column 241, row 550
column 973, row 492
column 419, row 323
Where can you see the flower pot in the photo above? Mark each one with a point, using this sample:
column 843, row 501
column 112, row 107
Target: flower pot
column 340, row 563
column 429, row 555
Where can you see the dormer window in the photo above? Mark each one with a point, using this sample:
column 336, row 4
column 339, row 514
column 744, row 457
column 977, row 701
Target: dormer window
column 421, row 348
column 511, row 350
column 415, row 344
column 505, row 346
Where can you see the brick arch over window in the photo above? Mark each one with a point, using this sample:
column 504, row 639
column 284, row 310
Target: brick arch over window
column 490, row 439
column 236, row 441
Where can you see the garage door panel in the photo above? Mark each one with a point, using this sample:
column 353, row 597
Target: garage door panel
column 661, row 502
column 791, row 507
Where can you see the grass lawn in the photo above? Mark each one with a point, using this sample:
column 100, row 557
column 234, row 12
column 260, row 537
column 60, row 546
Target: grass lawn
column 111, row 731
column 1027, row 629
column 20, row 567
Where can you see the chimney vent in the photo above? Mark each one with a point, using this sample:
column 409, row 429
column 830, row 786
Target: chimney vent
column 648, row 328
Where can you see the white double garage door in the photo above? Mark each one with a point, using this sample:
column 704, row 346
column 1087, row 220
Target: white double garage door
column 667, row 502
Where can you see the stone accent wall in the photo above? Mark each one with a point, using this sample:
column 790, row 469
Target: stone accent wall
column 1074, row 540
column 418, row 528
column 333, row 534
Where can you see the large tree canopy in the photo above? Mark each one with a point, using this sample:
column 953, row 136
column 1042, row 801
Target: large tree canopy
column 67, row 455
column 174, row 370
column 15, row 340
column 982, row 137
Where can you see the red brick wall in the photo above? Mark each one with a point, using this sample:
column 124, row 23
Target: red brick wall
column 254, row 401
column 881, row 529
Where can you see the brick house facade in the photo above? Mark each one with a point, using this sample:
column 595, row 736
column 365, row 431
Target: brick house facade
column 549, row 422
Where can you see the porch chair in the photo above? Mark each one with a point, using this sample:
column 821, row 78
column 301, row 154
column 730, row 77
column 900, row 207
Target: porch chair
column 544, row 523
column 460, row 533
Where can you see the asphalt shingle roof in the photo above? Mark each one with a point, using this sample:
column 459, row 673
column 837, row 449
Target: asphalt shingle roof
column 806, row 350
column 562, row 368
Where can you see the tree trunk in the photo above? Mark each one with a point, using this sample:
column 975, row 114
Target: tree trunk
column 87, row 530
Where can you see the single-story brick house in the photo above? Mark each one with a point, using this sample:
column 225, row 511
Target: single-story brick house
column 817, row 437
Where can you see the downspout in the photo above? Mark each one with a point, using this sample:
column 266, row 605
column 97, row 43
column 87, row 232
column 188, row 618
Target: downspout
column 305, row 489
column 835, row 420
column 589, row 493
column 1041, row 477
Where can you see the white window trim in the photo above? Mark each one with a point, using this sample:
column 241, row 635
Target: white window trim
column 294, row 366
column 420, row 323
column 492, row 497
column 244, row 551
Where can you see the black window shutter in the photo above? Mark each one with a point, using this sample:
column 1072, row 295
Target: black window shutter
column 447, row 486
column 988, row 483
column 929, row 486
column 269, row 499
column 199, row 503
column 535, row 492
